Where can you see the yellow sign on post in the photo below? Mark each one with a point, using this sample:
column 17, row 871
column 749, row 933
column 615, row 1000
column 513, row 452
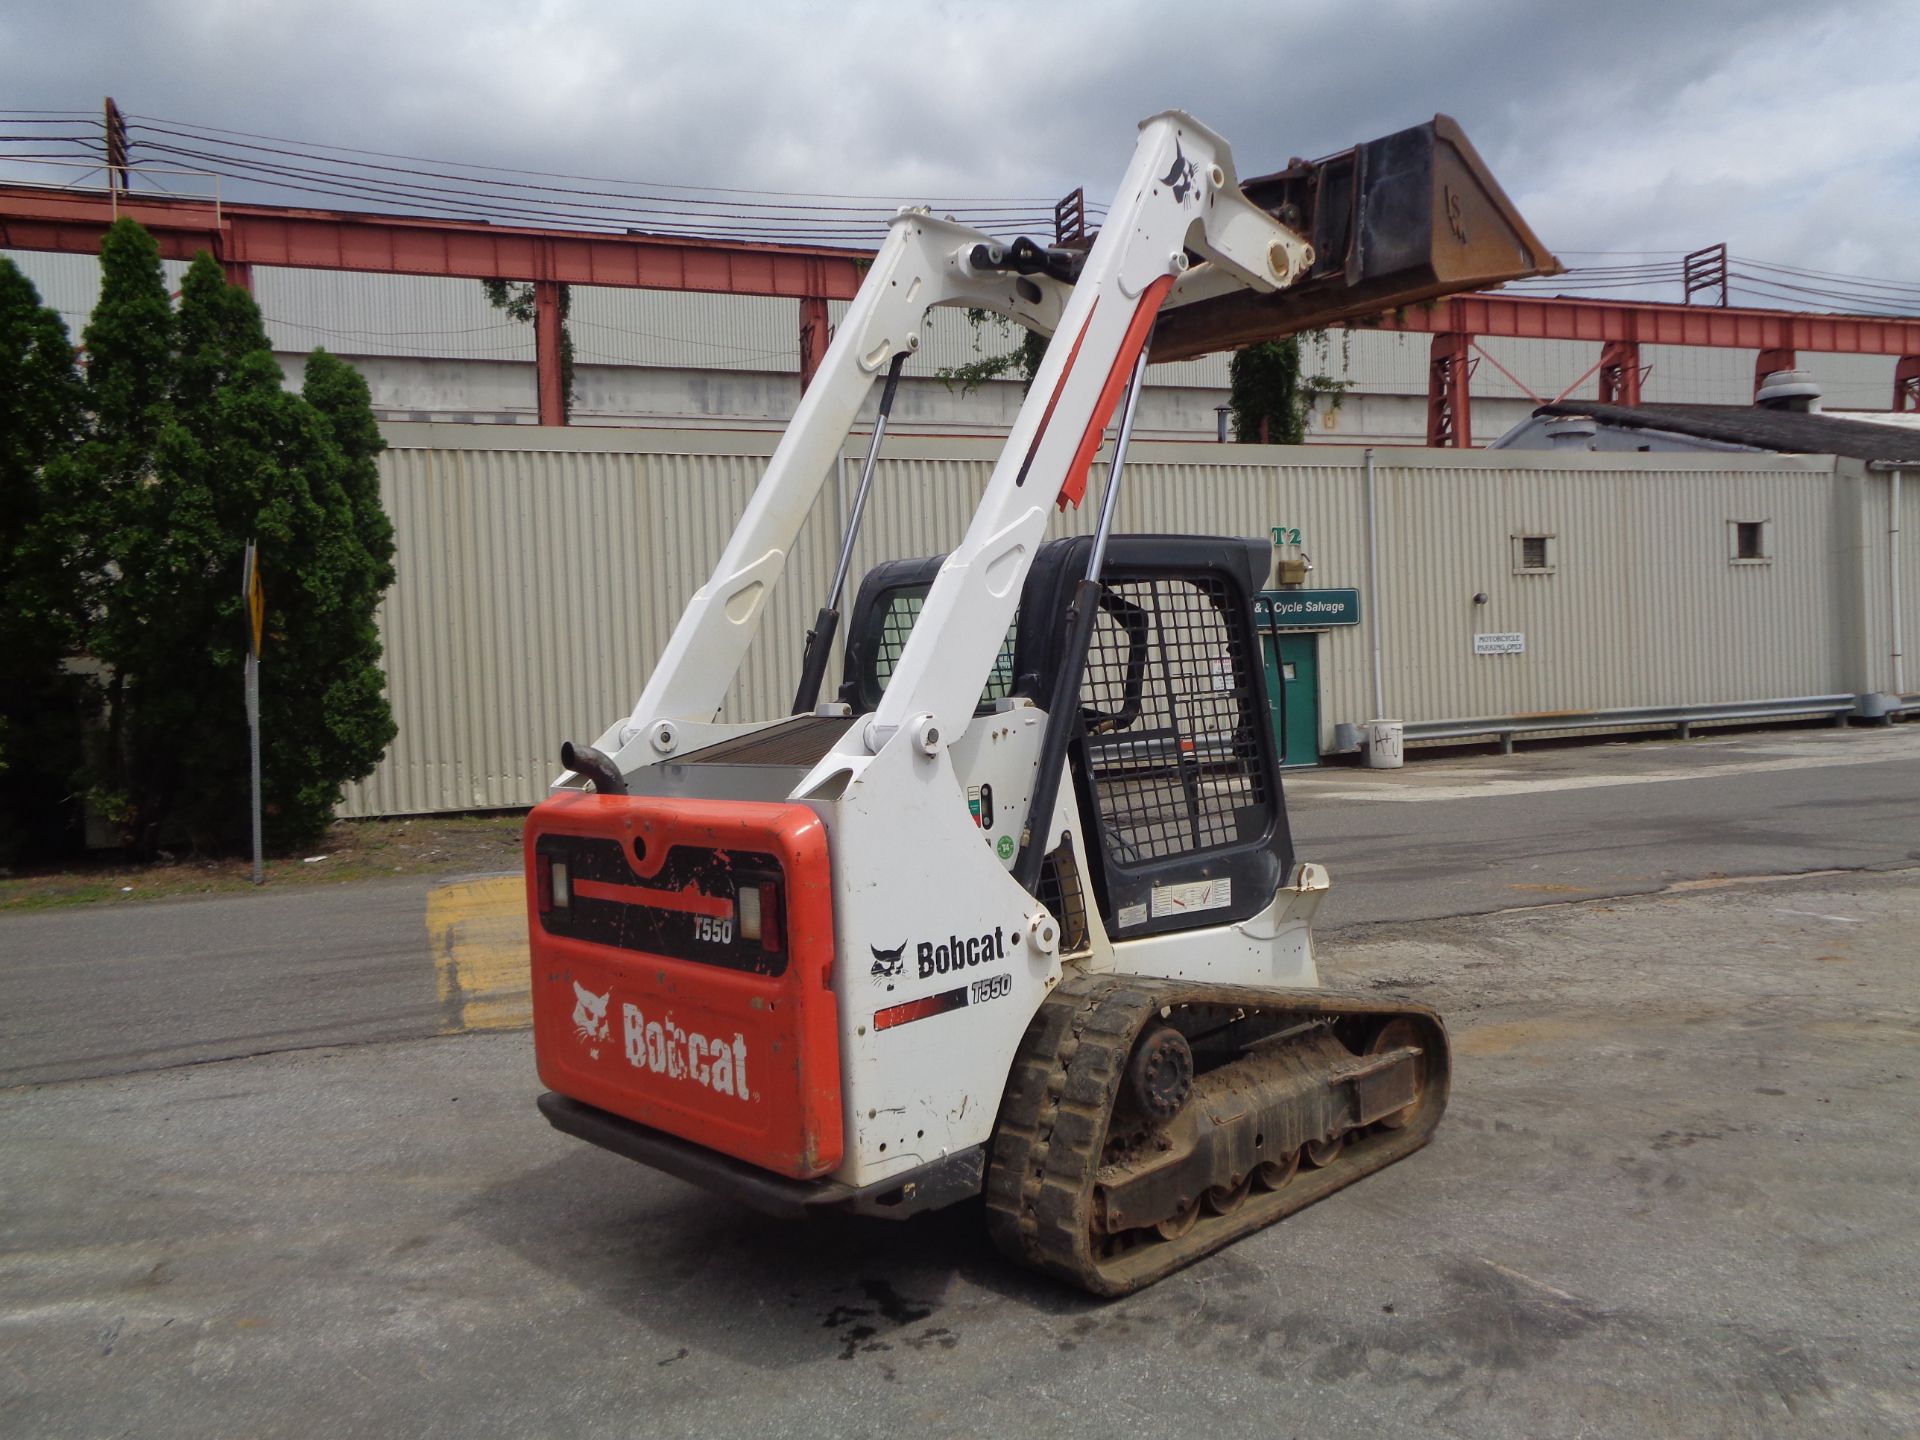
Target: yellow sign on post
column 255, row 593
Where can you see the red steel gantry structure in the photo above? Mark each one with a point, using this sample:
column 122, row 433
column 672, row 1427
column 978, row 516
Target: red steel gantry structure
column 243, row 236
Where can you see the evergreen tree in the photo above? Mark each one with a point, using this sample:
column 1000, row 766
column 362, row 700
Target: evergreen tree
column 243, row 458
column 125, row 501
column 41, row 704
column 346, row 649
column 1269, row 405
column 102, row 488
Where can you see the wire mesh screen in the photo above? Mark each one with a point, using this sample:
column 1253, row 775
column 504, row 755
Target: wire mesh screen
column 1060, row 891
column 896, row 623
column 1170, row 699
column 899, row 612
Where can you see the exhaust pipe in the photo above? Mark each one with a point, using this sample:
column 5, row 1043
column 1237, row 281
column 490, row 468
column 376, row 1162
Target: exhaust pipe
column 596, row 765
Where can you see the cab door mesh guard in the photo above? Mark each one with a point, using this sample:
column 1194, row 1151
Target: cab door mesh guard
column 1173, row 757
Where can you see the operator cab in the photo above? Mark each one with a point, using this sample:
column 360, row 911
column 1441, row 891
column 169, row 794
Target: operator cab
column 1173, row 761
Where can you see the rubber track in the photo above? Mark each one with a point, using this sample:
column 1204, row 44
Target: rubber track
column 1053, row 1126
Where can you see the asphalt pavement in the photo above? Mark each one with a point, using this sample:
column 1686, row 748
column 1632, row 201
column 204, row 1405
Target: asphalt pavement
column 120, row 987
column 1673, row 1195
column 1470, row 834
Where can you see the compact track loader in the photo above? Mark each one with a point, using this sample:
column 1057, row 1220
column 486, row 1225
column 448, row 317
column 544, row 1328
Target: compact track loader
column 1016, row 911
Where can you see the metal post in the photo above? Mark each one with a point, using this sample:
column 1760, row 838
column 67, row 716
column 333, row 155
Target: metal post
column 1893, row 586
column 253, row 596
column 1373, row 593
column 549, row 384
column 253, row 747
column 1449, row 391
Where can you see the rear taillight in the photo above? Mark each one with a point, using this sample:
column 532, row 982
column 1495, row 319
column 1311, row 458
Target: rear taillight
column 552, row 886
column 756, row 909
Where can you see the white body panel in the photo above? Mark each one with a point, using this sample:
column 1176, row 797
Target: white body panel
column 912, row 870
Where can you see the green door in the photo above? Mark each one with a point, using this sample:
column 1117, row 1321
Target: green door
column 1293, row 694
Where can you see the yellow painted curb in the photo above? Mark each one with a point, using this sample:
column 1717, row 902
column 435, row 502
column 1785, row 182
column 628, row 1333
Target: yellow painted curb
column 478, row 933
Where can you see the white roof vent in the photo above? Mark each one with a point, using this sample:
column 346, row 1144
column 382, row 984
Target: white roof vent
column 1789, row 390
column 1571, row 432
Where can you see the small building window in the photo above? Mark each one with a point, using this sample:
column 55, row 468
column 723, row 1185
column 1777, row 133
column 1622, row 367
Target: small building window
column 1750, row 541
column 1534, row 554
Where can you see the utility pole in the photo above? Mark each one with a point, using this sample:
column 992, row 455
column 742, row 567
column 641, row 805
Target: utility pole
column 116, row 129
column 1704, row 271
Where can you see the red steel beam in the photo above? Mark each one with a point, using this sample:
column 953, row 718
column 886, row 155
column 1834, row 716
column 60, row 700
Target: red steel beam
column 1620, row 373
column 814, row 338
column 1531, row 317
column 32, row 218
column 1449, row 393
column 549, row 384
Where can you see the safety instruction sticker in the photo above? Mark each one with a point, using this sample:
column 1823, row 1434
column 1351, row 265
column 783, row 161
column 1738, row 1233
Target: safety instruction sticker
column 1194, row 895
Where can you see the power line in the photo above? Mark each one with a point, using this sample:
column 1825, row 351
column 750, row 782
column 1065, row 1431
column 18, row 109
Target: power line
column 993, row 207
column 590, row 179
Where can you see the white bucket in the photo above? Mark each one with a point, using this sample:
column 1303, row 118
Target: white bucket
column 1385, row 744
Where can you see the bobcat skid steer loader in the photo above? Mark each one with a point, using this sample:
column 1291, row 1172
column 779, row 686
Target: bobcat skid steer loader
column 1016, row 911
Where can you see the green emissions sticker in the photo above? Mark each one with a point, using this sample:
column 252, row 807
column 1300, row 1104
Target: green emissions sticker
column 1005, row 847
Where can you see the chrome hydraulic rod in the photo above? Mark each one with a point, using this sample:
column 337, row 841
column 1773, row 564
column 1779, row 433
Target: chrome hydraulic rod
column 813, row 665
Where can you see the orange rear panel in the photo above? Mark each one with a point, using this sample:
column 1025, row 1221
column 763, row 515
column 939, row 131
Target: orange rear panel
column 682, row 971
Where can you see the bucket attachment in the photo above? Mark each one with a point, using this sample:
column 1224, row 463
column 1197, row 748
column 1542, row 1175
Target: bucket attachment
column 1393, row 222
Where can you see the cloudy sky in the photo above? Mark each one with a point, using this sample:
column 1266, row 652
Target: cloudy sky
column 1788, row 130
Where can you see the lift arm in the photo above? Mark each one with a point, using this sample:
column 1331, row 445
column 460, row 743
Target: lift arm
column 1405, row 218
column 923, row 262
column 1178, row 199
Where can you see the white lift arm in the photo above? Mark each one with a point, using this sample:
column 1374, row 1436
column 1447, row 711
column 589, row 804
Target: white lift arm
column 1179, row 194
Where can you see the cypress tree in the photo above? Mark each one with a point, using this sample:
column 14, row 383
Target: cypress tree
column 360, row 721
column 41, row 704
column 244, row 458
column 103, row 488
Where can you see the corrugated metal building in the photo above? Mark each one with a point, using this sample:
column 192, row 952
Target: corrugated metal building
column 541, row 572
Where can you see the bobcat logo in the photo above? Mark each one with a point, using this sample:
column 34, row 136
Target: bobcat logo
column 1179, row 179
column 590, row 1013
column 888, row 963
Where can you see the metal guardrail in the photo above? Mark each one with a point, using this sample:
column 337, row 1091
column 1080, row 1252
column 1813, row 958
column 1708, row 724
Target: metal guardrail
column 1652, row 717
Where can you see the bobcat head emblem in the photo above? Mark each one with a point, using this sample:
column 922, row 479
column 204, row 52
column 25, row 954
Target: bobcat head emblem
column 1179, row 178
column 888, row 963
column 590, row 1013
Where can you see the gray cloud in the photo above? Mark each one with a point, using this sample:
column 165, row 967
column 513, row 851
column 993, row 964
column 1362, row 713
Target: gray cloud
column 1785, row 129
